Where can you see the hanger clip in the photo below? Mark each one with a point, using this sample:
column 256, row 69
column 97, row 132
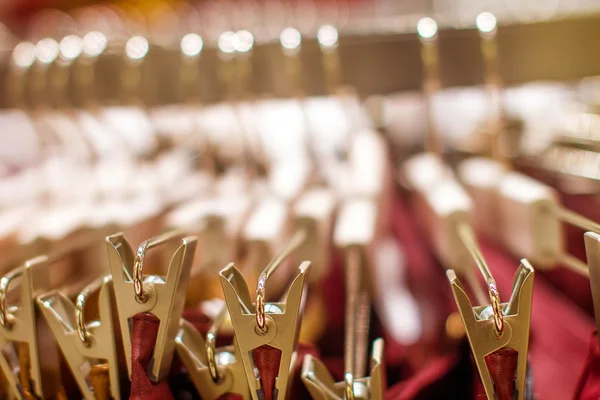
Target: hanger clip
column 23, row 333
column 214, row 372
column 83, row 344
column 268, row 326
column 486, row 337
column 163, row 297
column 321, row 385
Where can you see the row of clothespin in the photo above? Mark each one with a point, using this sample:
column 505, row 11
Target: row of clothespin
column 47, row 318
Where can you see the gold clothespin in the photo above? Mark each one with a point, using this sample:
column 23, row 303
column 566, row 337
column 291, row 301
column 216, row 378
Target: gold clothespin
column 497, row 326
column 261, row 323
column 354, row 233
column 23, row 335
column 162, row 296
column 84, row 344
column 214, row 372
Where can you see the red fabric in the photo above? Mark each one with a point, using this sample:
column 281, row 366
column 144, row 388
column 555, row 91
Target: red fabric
column 557, row 344
column 588, row 387
column 143, row 339
column 502, row 365
column 267, row 360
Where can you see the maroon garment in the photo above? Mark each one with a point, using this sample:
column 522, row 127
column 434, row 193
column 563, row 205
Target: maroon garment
column 143, row 340
column 588, row 387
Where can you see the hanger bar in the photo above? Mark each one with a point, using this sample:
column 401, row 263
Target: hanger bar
column 574, row 264
column 573, row 218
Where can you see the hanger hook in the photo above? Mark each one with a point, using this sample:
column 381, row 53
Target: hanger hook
column 296, row 240
column 211, row 338
column 138, row 267
column 496, row 307
column 4, row 284
column 348, row 386
column 82, row 332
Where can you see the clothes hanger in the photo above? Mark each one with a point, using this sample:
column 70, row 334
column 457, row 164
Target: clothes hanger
column 29, row 372
column 264, row 330
column 85, row 346
column 499, row 326
column 441, row 202
column 354, row 233
column 163, row 297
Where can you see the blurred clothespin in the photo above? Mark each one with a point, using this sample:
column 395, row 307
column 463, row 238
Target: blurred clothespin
column 214, row 371
column 82, row 344
column 266, row 333
column 354, row 234
column 163, row 297
column 30, row 371
column 498, row 326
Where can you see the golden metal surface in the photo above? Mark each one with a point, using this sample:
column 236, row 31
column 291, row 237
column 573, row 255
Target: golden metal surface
column 195, row 354
column 165, row 298
column 481, row 331
column 64, row 319
column 283, row 320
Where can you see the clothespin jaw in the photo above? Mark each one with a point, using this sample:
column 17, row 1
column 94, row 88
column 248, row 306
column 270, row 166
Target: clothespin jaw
column 163, row 297
column 192, row 350
column 482, row 331
column 282, row 322
column 21, row 324
column 83, row 343
column 321, row 386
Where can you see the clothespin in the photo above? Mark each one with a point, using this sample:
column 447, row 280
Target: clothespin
column 23, row 333
column 83, row 344
column 354, row 233
column 321, row 385
column 162, row 296
column 592, row 251
column 263, row 326
column 501, row 325
column 214, row 372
